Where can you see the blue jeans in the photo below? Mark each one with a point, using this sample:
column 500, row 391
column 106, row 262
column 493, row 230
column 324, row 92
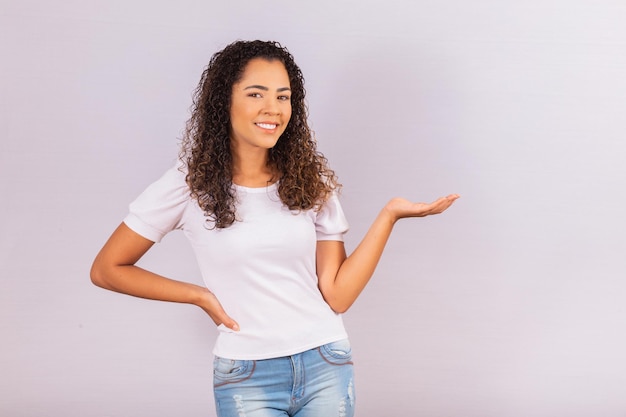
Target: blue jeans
column 314, row 383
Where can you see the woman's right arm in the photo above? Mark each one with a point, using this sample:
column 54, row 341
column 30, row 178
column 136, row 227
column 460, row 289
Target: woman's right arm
column 114, row 269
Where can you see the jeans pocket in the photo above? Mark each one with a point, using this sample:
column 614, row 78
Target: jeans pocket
column 337, row 353
column 228, row 370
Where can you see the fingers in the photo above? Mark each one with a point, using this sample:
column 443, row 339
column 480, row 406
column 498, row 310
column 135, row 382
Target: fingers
column 442, row 204
column 230, row 323
column 449, row 198
column 211, row 305
column 400, row 208
column 220, row 317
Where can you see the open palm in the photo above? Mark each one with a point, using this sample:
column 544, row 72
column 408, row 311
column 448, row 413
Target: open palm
column 401, row 208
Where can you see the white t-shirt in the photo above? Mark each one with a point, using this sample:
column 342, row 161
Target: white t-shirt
column 261, row 268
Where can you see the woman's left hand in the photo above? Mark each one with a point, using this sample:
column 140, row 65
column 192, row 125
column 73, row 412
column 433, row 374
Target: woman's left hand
column 400, row 208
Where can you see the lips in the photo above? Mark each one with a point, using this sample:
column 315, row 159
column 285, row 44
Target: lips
column 268, row 126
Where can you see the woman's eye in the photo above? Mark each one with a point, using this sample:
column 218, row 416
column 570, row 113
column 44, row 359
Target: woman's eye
column 257, row 95
column 284, row 98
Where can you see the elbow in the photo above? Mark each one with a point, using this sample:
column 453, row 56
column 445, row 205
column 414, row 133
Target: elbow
column 337, row 301
column 340, row 310
column 339, row 306
column 98, row 276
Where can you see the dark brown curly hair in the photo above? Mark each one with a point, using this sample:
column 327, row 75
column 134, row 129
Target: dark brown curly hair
column 306, row 181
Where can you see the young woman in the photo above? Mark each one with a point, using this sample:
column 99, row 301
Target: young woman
column 258, row 203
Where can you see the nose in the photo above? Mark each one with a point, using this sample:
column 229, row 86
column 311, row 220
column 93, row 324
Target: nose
column 271, row 107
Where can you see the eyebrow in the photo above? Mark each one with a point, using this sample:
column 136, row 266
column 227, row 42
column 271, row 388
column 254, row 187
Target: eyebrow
column 262, row 87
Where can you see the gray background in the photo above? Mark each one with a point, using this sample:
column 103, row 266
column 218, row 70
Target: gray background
column 512, row 304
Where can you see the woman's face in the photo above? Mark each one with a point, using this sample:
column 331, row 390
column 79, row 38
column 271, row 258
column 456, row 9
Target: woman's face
column 260, row 105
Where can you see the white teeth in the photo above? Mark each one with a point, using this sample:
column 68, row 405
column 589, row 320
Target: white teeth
column 266, row 125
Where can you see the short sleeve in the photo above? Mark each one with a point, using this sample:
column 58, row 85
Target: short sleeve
column 331, row 223
column 159, row 209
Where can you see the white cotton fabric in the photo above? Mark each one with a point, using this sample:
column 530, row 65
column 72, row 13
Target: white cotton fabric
column 262, row 268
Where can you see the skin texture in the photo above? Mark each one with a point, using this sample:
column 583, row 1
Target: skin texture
column 306, row 181
column 258, row 97
column 341, row 278
column 259, row 100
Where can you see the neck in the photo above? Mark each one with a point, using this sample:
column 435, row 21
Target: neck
column 251, row 169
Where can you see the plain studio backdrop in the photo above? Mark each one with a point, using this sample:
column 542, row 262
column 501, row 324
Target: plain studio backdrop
column 512, row 304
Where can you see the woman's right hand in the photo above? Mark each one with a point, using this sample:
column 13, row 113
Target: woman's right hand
column 114, row 269
column 211, row 305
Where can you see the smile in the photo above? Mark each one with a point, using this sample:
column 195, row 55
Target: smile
column 266, row 125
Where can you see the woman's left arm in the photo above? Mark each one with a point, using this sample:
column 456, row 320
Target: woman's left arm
column 341, row 278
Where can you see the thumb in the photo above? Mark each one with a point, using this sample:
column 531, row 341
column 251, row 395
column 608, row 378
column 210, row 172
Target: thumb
column 230, row 323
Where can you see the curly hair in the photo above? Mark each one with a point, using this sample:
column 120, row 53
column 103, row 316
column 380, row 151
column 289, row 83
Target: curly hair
column 306, row 181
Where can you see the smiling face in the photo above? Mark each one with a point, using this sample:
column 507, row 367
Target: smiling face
column 260, row 106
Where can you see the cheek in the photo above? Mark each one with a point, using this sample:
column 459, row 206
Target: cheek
column 238, row 110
